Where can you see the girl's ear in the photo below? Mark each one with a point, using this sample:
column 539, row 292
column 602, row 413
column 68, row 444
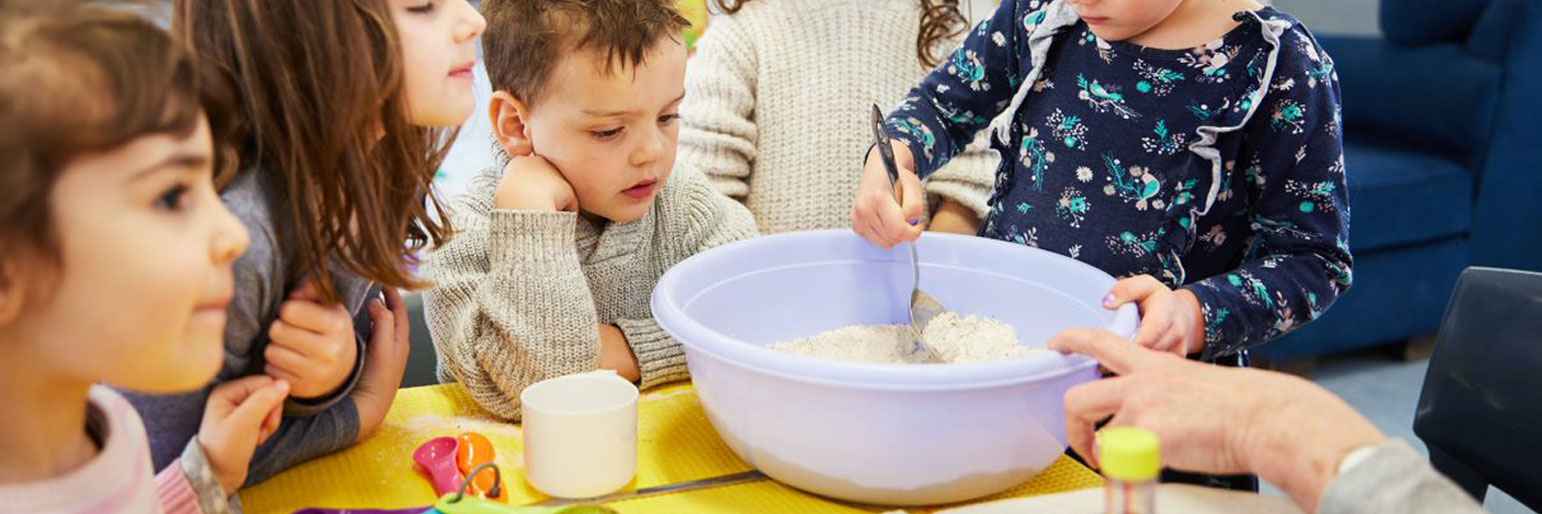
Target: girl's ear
column 13, row 289
column 509, row 116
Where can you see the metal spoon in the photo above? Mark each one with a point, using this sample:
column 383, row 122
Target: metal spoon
column 923, row 307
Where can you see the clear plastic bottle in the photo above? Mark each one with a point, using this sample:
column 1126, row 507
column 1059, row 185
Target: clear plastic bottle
column 1131, row 461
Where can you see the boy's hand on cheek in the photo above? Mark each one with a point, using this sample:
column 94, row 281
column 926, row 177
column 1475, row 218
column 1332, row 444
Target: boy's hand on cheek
column 1170, row 321
column 311, row 344
column 239, row 416
column 531, row 183
column 616, row 353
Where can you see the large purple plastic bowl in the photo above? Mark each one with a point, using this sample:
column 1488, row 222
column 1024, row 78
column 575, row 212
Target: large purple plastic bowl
column 890, row 434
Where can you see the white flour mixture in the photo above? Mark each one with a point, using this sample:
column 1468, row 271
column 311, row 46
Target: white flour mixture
column 959, row 338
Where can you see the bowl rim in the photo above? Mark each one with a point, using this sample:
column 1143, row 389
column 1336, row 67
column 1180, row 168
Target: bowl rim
column 697, row 337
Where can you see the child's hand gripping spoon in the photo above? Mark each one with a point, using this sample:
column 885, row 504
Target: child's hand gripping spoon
column 437, row 458
column 476, row 450
column 923, row 307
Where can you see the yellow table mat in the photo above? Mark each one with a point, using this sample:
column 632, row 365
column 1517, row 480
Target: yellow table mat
column 676, row 443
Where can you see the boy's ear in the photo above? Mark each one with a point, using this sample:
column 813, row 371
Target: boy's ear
column 13, row 289
column 509, row 115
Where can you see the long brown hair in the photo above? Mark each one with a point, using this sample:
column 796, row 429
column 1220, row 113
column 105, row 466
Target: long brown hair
column 318, row 91
column 76, row 79
column 940, row 20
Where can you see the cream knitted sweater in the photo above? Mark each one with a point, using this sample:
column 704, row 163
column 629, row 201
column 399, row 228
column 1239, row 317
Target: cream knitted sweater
column 778, row 101
column 518, row 296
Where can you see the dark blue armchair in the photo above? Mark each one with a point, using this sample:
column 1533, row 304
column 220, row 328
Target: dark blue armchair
column 1443, row 128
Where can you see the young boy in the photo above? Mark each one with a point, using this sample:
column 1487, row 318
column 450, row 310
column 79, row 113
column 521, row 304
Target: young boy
column 561, row 242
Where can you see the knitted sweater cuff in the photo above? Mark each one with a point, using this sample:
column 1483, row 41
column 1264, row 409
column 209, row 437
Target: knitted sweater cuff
column 659, row 356
column 530, row 236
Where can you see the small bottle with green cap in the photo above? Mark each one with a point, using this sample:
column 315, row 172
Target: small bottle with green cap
column 1131, row 460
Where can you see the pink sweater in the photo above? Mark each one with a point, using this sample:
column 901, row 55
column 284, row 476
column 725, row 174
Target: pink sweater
column 119, row 478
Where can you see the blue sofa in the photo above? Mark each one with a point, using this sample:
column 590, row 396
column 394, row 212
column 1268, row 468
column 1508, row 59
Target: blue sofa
column 1443, row 127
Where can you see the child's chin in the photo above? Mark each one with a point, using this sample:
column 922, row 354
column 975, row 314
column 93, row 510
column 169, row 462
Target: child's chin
column 626, row 213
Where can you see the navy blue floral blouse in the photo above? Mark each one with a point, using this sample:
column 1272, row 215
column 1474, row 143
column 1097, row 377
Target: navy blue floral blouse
column 1218, row 168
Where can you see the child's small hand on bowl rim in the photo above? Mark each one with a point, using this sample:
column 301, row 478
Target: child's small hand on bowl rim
column 1170, row 320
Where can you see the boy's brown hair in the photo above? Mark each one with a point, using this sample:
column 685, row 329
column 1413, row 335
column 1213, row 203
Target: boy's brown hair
column 320, row 105
column 77, row 79
column 525, row 39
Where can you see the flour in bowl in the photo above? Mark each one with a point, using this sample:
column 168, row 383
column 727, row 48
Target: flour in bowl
column 959, row 338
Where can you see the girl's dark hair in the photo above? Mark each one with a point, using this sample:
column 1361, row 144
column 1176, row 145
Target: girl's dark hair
column 941, row 20
column 319, row 102
column 75, row 79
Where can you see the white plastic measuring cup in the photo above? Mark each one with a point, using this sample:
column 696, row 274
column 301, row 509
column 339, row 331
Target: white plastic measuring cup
column 580, row 434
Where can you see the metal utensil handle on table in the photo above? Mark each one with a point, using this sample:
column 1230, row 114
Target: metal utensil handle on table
column 718, row 481
column 886, row 152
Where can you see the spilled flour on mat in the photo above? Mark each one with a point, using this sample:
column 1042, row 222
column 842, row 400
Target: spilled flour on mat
column 959, row 338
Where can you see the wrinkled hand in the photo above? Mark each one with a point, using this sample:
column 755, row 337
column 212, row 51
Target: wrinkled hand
column 239, row 416
column 531, row 183
column 385, row 361
column 875, row 214
column 1170, row 321
column 1214, row 419
column 312, row 344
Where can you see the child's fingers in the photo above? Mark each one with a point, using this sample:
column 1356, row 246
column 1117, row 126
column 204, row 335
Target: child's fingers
column 895, row 224
column 278, row 373
column 227, row 395
column 302, row 342
column 288, row 364
column 385, row 327
column 271, row 423
column 1156, row 321
column 914, row 201
column 255, row 409
column 315, row 317
column 398, row 308
column 875, row 234
column 1132, row 289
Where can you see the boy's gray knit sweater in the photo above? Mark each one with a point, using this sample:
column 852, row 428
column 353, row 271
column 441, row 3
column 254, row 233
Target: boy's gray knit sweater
column 518, row 296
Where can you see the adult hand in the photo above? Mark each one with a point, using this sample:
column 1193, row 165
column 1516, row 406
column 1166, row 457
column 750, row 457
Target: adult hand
column 876, row 215
column 1213, row 419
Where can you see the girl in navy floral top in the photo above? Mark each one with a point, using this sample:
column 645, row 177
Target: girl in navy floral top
column 1216, row 170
